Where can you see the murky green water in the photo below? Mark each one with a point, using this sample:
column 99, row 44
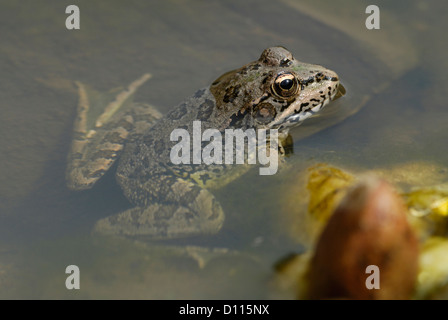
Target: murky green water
column 398, row 74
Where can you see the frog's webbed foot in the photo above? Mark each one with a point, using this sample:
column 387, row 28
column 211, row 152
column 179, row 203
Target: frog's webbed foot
column 99, row 135
column 188, row 210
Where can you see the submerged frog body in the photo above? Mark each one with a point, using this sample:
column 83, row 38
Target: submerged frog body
column 173, row 200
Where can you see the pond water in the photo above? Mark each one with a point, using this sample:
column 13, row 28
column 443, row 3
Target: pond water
column 395, row 75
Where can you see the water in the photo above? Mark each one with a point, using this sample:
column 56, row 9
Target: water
column 398, row 72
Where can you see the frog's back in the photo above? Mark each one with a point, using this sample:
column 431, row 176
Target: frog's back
column 148, row 156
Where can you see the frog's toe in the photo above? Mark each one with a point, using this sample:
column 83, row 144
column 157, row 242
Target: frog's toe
column 166, row 221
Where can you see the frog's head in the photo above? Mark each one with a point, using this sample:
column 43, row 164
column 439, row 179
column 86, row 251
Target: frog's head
column 274, row 92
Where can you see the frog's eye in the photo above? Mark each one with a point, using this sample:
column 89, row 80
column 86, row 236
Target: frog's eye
column 285, row 85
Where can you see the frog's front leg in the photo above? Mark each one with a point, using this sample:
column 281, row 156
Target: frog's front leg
column 100, row 132
column 167, row 207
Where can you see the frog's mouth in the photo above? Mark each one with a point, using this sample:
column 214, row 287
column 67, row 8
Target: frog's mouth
column 296, row 118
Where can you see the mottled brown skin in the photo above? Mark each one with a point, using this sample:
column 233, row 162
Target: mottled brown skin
column 174, row 200
column 369, row 227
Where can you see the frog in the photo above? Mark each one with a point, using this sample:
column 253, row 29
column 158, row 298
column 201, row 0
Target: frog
column 274, row 92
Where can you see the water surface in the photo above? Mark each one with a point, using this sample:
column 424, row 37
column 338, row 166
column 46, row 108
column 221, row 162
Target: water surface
column 397, row 74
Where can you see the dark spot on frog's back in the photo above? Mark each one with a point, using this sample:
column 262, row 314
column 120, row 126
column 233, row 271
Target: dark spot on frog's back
column 231, row 93
column 148, row 140
column 136, row 148
column 199, row 93
column 206, row 109
column 178, row 112
column 243, row 71
column 236, row 120
column 285, row 62
column 159, row 146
